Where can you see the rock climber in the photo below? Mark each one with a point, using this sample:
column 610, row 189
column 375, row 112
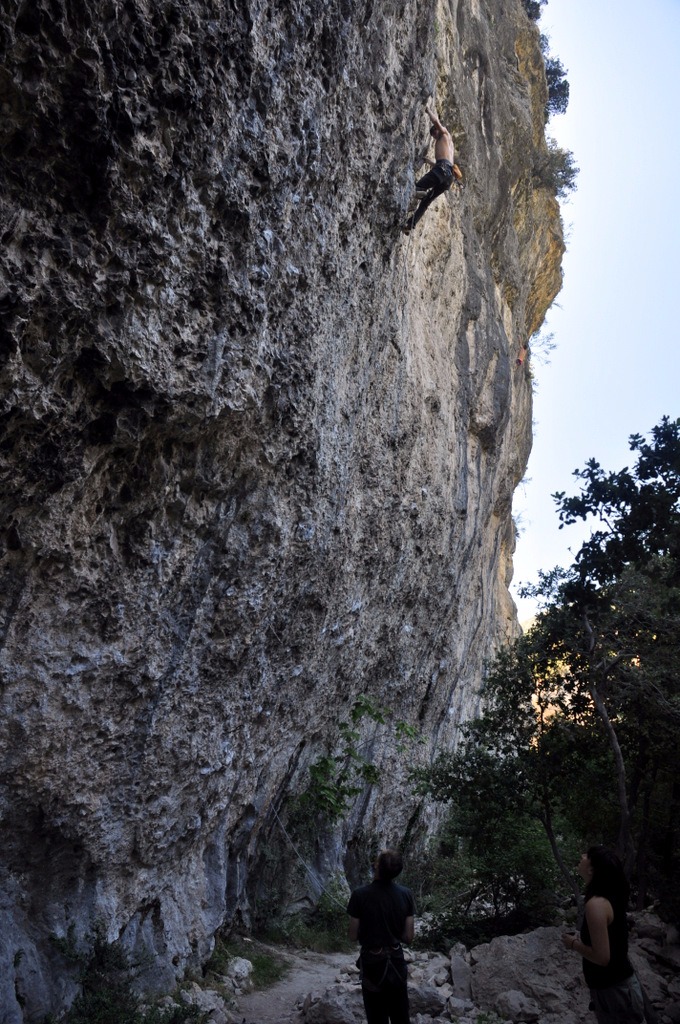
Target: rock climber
column 443, row 172
column 381, row 918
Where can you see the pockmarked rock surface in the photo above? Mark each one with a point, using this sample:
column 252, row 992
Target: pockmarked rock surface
column 258, row 447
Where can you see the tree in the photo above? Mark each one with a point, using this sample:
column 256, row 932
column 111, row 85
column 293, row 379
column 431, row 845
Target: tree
column 558, row 87
column 582, row 714
column 555, row 169
column 622, row 601
column 626, row 586
column 492, row 863
column 529, row 755
column 533, row 8
column 639, row 511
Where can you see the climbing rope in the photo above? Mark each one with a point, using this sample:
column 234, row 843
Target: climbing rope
column 305, row 865
column 402, row 291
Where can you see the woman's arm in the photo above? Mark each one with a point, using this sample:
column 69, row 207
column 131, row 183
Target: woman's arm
column 599, row 914
column 353, row 929
column 407, row 934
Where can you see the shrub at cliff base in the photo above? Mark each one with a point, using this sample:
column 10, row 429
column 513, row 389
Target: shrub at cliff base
column 106, row 974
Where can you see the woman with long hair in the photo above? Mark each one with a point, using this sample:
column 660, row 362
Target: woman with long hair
column 615, row 992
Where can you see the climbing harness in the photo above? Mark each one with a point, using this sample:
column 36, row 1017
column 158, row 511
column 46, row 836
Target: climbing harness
column 375, row 958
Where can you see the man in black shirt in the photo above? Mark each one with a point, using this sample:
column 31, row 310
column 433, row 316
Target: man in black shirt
column 381, row 918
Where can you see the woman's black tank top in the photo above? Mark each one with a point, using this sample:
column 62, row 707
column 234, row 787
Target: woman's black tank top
column 619, row 967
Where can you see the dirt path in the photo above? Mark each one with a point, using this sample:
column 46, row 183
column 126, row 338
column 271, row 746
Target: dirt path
column 309, row 972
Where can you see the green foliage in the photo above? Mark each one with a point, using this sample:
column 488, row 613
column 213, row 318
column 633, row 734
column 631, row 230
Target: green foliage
column 542, row 346
column 491, row 869
column 335, row 779
column 638, row 510
column 330, row 910
column 606, row 643
column 323, row 929
column 534, row 8
column 581, row 715
column 620, row 608
column 558, row 87
column 555, row 75
column 268, row 967
column 67, row 946
column 309, row 932
column 556, row 170
column 106, row 973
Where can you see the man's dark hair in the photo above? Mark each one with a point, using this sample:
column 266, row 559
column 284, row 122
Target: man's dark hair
column 389, row 865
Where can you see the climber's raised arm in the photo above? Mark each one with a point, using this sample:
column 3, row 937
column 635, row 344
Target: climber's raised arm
column 443, row 143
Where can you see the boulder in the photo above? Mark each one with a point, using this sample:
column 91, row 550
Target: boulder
column 426, row 999
column 460, row 976
column 537, row 966
column 208, row 1002
column 671, row 1006
column 330, row 1008
column 648, row 926
column 515, row 1006
column 456, row 1006
column 240, row 973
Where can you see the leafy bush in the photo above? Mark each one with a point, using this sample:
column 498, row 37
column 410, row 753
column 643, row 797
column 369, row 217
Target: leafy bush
column 335, row 779
column 488, row 1017
column 533, row 8
column 323, row 929
column 309, row 932
column 558, row 87
column 556, row 170
column 107, row 997
column 488, row 872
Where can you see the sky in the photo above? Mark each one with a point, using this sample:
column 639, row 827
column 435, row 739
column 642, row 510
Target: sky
column 615, row 368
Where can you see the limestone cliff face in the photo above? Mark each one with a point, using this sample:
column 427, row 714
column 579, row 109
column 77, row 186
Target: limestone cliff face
column 258, row 446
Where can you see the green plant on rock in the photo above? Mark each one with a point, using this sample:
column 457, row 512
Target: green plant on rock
column 488, row 1017
column 556, row 170
column 534, row 8
column 336, row 778
column 67, row 946
column 106, row 974
column 558, row 87
column 556, row 80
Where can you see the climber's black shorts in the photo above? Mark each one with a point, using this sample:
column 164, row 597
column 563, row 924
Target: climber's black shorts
column 435, row 182
column 439, row 178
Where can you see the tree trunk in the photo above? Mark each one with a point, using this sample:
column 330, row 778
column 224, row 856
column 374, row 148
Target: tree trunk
column 625, row 842
column 643, row 838
column 546, row 821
